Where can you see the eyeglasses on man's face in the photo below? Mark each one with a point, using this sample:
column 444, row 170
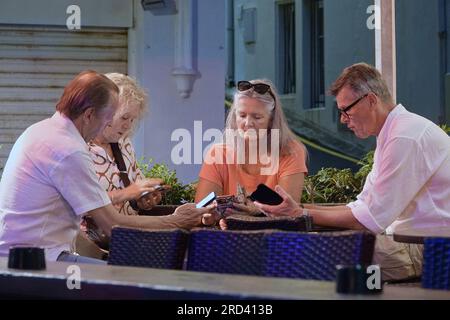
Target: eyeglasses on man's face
column 343, row 111
column 260, row 88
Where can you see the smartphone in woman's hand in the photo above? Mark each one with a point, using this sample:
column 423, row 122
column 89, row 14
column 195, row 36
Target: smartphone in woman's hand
column 265, row 195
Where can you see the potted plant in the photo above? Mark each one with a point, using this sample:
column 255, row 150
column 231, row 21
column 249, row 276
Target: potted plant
column 336, row 186
column 178, row 194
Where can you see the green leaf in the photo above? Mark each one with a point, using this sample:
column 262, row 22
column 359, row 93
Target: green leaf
column 331, row 185
column 178, row 193
column 446, row 128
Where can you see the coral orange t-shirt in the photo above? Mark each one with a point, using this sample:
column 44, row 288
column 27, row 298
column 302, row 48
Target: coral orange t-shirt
column 220, row 167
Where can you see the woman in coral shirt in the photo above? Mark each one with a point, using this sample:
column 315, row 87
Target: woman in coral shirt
column 259, row 148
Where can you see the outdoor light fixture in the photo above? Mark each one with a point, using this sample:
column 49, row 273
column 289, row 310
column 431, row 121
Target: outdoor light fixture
column 152, row 4
column 157, row 4
column 184, row 71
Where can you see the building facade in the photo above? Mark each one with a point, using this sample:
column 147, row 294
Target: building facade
column 303, row 45
column 41, row 49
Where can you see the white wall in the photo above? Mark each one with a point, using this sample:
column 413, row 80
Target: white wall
column 151, row 60
column 98, row 13
column 152, row 63
column 255, row 60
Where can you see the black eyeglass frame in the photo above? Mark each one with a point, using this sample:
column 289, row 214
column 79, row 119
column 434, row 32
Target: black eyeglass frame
column 260, row 88
column 347, row 108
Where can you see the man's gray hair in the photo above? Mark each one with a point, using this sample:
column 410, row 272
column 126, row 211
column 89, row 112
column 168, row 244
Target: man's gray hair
column 362, row 78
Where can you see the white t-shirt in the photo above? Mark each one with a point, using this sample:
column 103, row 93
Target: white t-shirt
column 408, row 188
column 48, row 183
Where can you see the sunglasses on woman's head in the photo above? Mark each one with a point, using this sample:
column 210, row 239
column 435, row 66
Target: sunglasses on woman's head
column 260, row 88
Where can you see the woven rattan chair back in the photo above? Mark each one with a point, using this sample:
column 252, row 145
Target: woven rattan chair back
column 164, row 249
column 245, row 222
column 235, row 252
column 278, row 253
column 315, row 255
column 436, row 263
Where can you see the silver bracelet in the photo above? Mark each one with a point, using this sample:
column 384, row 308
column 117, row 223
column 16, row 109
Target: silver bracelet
column 305, row 211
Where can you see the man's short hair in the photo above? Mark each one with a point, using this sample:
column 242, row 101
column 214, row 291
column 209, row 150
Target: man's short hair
column 362, row 78
column 87, row 89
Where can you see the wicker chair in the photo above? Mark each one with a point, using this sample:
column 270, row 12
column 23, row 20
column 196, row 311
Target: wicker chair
column 278, row 253
column 245, row 222
column 436, row 263
column 315, row 255
column 163, row 249
column 236, row 252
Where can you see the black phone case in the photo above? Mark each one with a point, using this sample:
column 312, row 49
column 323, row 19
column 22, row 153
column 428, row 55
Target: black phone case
column 264, row 194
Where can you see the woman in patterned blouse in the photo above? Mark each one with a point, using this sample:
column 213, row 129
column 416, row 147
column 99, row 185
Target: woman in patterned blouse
column 133, row 104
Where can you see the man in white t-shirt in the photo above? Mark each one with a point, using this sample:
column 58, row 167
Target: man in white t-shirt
column 49, row 181
column 408, row 188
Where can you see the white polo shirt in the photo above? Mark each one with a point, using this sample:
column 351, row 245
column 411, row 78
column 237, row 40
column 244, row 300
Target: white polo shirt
column 48, row 183
column 408, row 188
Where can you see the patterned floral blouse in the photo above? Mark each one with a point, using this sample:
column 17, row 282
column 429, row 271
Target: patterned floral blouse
column 108, row 173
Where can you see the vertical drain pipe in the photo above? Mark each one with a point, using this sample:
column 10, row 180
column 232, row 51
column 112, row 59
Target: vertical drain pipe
column 444, row 87
column 230, row 42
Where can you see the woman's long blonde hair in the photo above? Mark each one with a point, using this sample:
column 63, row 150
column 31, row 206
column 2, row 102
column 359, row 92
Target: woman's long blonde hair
column 277, row 119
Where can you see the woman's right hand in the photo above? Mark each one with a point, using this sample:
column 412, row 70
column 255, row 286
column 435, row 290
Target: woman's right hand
column 136, row 189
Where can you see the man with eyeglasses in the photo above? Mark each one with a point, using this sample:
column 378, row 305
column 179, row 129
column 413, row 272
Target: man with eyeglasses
column 408, row 188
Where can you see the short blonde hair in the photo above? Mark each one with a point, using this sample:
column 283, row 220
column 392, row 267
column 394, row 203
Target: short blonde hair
column 130, row 93
column 362, row 78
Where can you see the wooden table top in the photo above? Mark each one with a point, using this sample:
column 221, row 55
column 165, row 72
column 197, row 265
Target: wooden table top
column 114, row 282
column 419, row 236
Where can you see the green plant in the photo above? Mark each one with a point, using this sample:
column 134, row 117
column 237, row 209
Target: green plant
column 331, row 185
column 178, row 193
column 228, row 104
column 446, row 128
column 366, row 165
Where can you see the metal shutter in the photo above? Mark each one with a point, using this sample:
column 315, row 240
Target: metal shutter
column 37, row 62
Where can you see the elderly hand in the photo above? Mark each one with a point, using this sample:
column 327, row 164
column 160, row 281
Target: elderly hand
column 287, row 208
column 212, row 217
column 187, row 216
column 223, row 224
column 150, row 200
column 239, row 208
column 136, row 189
